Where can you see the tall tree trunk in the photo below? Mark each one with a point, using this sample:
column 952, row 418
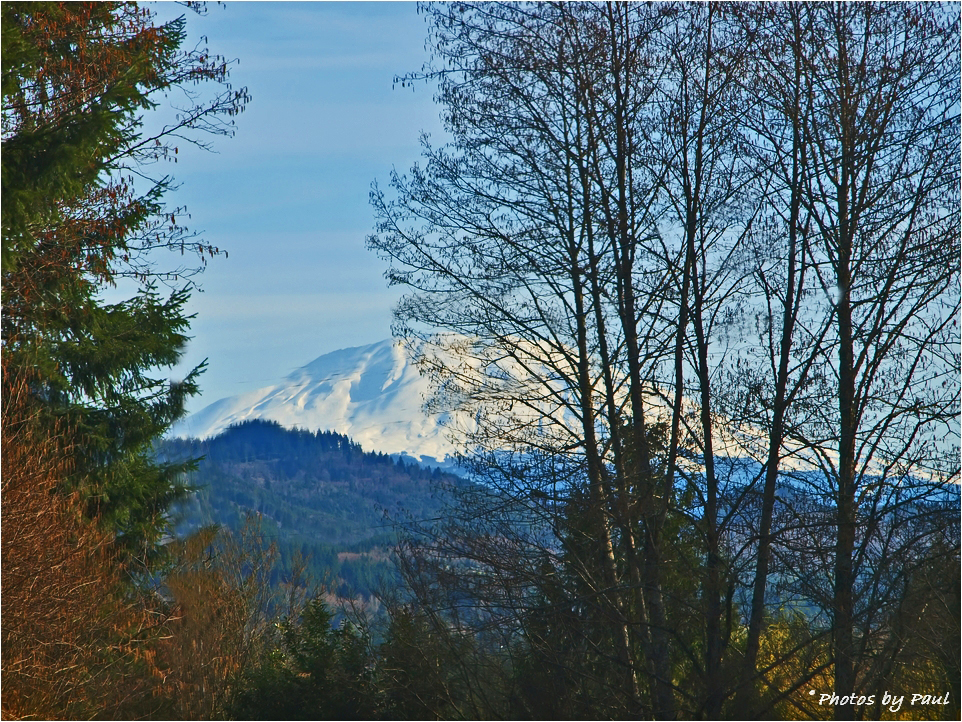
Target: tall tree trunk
column 599, row 498
column 843, row 609
column 639, row 477
column 845, row 511
column 780, row 396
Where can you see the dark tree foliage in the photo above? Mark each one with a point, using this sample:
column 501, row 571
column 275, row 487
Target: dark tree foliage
column 314, row 672
column 319, row 494
column 80, row 214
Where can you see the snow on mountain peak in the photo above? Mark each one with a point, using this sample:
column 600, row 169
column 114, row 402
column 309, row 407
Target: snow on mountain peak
column 373, row 394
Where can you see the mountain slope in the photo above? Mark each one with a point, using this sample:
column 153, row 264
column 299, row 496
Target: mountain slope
column 317, row 494
column 371, row 393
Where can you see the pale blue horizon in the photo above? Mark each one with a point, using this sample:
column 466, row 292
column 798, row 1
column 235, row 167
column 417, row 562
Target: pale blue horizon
column 287, row 197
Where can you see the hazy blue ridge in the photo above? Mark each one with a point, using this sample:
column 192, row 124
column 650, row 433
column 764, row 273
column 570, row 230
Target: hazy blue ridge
column 318, row 493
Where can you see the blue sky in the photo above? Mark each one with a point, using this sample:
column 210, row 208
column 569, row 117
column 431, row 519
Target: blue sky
column 288, row 195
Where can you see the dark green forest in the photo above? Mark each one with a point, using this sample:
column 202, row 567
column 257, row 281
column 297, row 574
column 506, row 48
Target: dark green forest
column 316, row 494
column 684, row 278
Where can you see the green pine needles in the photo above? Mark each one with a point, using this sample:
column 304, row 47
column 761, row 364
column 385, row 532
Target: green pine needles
column 79, row 215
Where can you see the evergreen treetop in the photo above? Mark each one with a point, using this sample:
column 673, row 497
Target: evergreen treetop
column 77, row 218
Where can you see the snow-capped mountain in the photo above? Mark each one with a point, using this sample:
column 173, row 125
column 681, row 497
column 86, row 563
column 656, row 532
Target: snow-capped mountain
column 374, row 394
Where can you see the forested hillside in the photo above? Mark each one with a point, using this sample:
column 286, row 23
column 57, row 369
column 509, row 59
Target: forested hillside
column 316, row 493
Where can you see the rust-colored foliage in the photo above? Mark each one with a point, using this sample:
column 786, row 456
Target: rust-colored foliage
column 222, row 612
column 80, row 401
column 77, row 642
column 68, row 631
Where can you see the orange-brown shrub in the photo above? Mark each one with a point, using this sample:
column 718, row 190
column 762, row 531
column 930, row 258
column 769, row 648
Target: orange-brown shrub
column 223, row 612
column 70, row 636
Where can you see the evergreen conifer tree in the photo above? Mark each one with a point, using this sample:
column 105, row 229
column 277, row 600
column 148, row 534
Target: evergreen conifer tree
column 76, row 80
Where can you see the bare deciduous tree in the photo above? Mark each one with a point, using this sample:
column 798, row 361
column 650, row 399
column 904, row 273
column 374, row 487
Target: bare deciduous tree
column 629, row 189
